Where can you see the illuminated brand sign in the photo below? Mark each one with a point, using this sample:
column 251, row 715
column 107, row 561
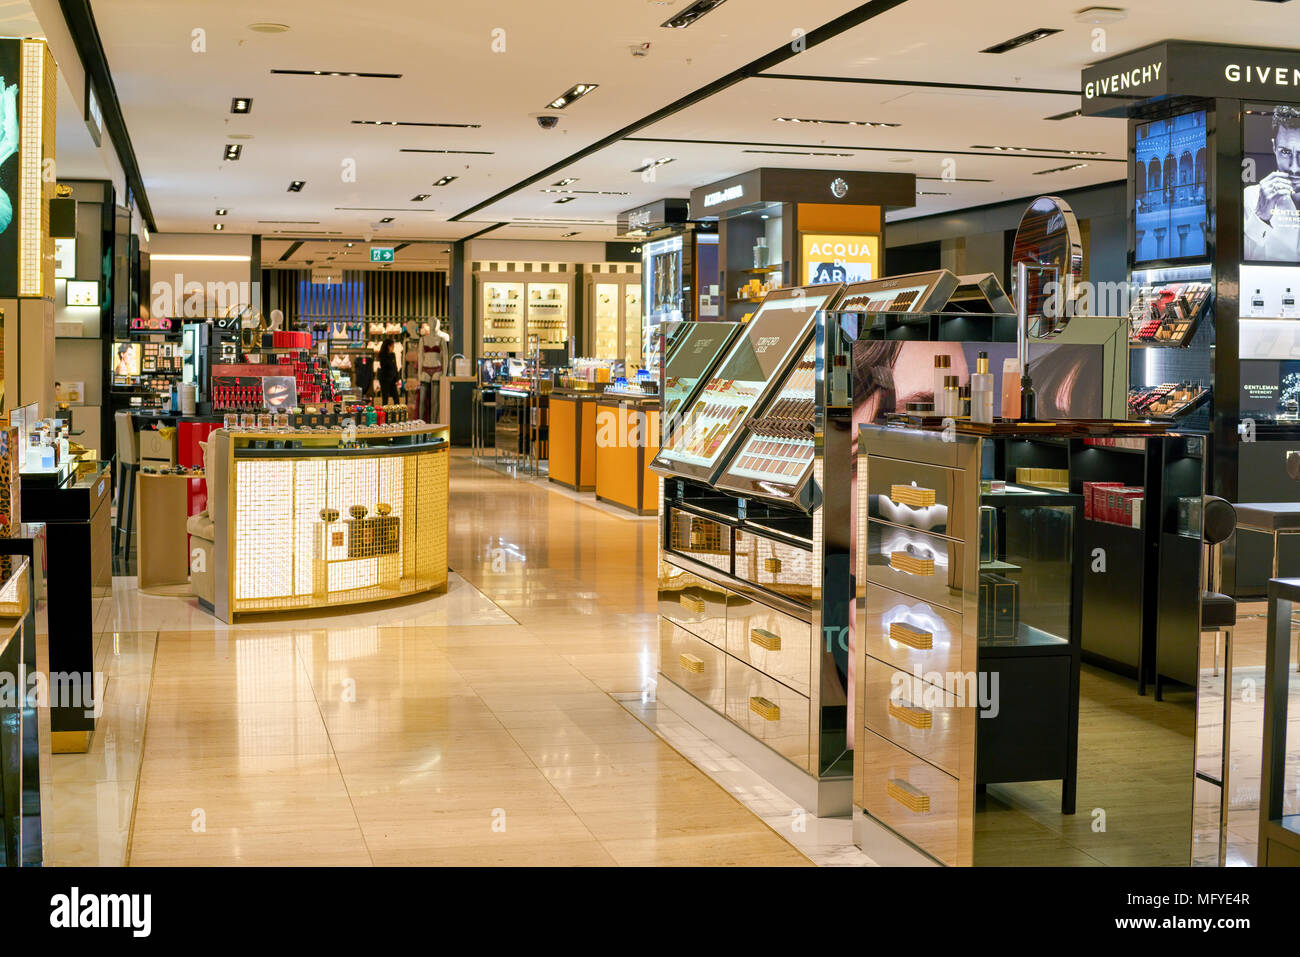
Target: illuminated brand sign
column 1127, row 80
column 839, row 188
column 639, row 218
column 1274, row 75
column 724, row 195
column 839, row 258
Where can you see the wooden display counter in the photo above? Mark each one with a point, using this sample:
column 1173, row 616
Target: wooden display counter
column 319, row 525
column 627, row 439
column 573, row 440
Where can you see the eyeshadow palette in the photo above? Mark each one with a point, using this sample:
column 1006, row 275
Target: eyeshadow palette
column 1165, row 401
column 1167, row 313
column 702, row 440
column 695, row 350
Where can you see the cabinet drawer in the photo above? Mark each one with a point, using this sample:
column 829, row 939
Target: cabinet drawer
column 910, row 796
column 925, row 497
column 914, row 563
column 922, row 718
column 776, row 644
column 697, row 605
column 776, row 566
column 693, row 664
column 767, row 709
column 700, row 538
column 910, row 634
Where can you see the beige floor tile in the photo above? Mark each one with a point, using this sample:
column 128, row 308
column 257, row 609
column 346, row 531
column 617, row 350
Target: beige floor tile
column 283, row 845
column 713, row 850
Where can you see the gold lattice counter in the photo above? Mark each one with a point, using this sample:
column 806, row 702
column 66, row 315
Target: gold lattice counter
column 319, row 526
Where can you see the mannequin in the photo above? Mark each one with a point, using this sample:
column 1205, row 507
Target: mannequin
column 433, row 348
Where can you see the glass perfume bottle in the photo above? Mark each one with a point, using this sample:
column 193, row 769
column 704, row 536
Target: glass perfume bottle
column 981, row 387
column 1011, row 389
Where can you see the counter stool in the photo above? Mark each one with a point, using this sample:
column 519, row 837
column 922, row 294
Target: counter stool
column 1275, row 519
column 128, row 466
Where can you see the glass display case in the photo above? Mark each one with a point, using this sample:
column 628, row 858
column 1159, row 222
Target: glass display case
column 607, row 319
column 633, row 350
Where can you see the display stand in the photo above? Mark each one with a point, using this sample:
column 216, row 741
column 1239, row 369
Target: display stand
column 1279, row 819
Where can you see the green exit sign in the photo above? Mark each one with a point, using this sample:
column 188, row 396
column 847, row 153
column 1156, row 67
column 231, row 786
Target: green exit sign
column 381, row 254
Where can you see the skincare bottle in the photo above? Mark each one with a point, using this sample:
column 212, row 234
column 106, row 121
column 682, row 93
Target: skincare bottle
column 981, row 389
column 964, row 397
column 951, row 400
column 1288, row 304
column 1257, row 304
column 942, row 365
column 1011, row 389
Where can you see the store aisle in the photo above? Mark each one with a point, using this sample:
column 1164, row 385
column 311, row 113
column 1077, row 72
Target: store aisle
column 411, row 735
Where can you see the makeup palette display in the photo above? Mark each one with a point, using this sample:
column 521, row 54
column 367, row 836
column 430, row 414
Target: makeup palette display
column 1165, row 401
column 1167, row 313
column 700, row 443
column 776, row 455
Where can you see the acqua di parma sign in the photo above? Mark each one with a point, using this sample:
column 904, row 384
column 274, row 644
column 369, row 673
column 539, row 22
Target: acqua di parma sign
column 1179, row 68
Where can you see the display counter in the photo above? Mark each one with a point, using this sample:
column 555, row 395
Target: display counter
column 626, row 437
column 302, row 522
column 573, row 439
column 20, row 796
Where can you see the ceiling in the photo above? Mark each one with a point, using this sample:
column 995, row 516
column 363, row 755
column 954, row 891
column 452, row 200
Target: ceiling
column 176, row 101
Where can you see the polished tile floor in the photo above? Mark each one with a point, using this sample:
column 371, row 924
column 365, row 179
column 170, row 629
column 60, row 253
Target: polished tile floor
column 511, row 720
column 475, row 727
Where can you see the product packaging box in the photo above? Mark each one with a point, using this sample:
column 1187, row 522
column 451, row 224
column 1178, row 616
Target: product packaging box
column 999, row 607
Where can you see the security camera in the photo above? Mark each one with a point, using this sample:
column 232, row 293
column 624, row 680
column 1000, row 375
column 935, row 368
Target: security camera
column 548, row 122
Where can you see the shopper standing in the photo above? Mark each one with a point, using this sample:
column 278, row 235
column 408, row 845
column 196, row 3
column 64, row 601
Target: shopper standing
column 387, row 373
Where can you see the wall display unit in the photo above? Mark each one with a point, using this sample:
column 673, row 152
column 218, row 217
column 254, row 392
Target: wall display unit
column 700, row 444
column 548, row 313
column 615, row 318
column 502, row 317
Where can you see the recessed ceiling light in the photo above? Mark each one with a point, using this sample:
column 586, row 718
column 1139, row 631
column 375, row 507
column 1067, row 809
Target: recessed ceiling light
column 453, row 126
column 575, row 92
column 233, row 151
column 1038, row 149
column 241, row 104
column 566, row 199
column 218, row 227
column 902, row 159
column 796, row 153
column 797, row 119
column 222, row 212
column 1008, row 45
column 1100, row 15
column 443, row 180
column 445, row 152
column 297, row 185
column 1061, row 169
column 350, row 245
column 269, row 27
column 240, row 136
column 684, row 18
column 924, row 192
column 387, row 219
column 419, row 197
column 654, row 163
column 567, row 235
column 586, row 192
column 366, row 76
column 566, row 181
column 1067, row 115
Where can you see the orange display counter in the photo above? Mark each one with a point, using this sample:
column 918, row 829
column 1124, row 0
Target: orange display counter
column 573, row 440
column 627, row 439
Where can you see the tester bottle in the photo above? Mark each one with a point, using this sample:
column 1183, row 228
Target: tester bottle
column 981, row 391
column 942, row 365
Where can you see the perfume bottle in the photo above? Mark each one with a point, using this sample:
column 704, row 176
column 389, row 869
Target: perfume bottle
column 981, row 387
column 1257, row 304
column 951, row 397
column 1288, row 304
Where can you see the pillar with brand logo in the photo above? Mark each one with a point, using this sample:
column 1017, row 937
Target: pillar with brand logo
column 27, row 128
column 1214, row 263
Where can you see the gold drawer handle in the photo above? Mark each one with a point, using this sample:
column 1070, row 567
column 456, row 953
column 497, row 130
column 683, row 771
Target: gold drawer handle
column 911, row 636
column 910, row 714
column 767, row 710
column 692, row 604
column 912, row 564
column 912, row 495
column 918, row 802
column 765, row 639
column 692, row 663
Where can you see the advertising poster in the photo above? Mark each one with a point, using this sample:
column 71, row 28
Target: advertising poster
column 1171, row 213
column 830, row 258
column 1270, row 143
column 11, row 56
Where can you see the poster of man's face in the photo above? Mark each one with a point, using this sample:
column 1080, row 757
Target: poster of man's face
column 1271, row 194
